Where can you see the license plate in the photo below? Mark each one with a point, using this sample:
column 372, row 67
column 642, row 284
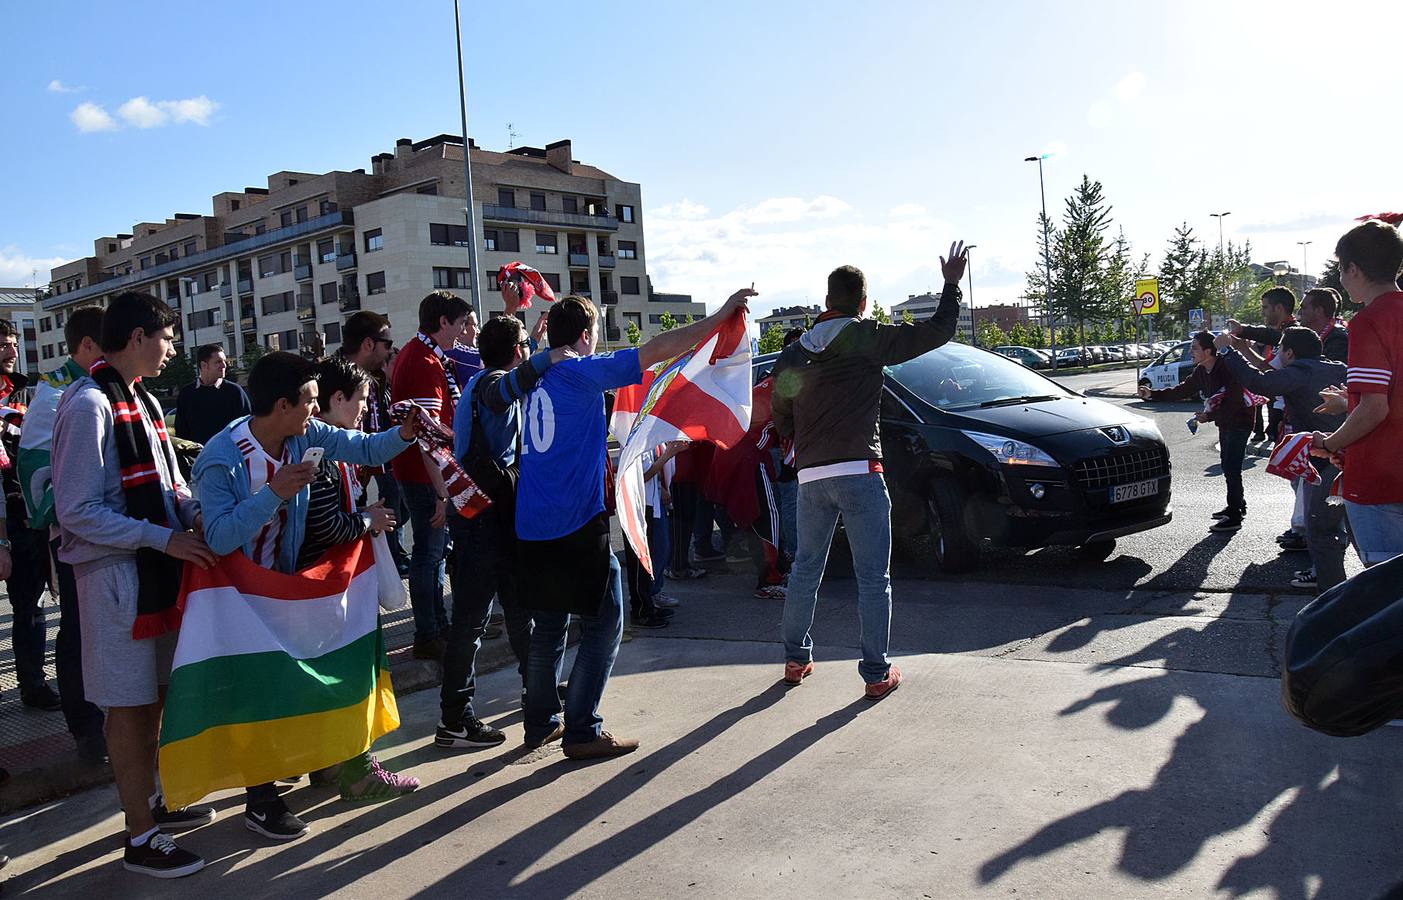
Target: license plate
column 1137, row 491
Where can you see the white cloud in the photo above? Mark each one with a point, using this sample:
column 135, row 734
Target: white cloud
column 194, row 109
column 1130, row 87
column 1127, row 92
column 92, row 117
column 141, row 113
column 58, row 87
column 788, row 245
column 19, row 270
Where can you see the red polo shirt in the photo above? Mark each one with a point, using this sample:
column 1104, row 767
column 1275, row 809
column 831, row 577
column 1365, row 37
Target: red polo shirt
column 419, row 377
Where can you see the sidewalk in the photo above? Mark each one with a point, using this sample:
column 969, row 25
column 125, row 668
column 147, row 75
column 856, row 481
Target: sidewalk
column 1054, row 744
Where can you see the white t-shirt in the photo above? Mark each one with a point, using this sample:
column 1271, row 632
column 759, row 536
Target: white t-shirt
column 260, row 469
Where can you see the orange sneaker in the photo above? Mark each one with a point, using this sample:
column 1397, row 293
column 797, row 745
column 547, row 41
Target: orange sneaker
column 795, row 673
column 880, row 689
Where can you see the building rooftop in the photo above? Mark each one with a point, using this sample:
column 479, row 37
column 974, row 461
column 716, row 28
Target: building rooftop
column 25, row 297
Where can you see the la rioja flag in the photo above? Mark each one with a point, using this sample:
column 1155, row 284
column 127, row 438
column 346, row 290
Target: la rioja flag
column 701, row 395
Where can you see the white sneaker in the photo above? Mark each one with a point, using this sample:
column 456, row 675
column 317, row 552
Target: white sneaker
column 663, row 601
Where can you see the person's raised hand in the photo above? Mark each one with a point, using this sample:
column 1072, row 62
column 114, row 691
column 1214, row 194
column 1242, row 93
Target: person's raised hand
column 191, row 548
column 954, row 268
column 1334, row 401
column 559, row 354
column 290, row 479
column 538, row 333
column 381, row 519
column 739, row 299
column 1235, row 327
column 511, row 297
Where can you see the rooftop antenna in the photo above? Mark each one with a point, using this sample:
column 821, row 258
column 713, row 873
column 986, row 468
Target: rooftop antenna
column 512, row 135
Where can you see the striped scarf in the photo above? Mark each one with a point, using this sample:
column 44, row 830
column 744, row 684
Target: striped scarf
column 158, row 575
column 436, row 440
column 444, row 363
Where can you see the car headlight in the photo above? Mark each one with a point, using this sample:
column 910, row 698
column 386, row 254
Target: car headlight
column 1011, row 452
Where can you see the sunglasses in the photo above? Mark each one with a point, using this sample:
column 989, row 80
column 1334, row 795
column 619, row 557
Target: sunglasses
column 389, row 344
column 523, row 343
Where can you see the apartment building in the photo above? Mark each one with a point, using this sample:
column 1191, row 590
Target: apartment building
column 281, row 266
column 1004, row 315
column 17, row 306
column 787, row 317
column 923, row 306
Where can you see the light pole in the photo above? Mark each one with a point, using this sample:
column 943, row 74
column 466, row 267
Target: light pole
column 1220, row 216
column 969, row 247
column 1305, row 250
column 1047, row 260
column 473, row 275
column 187, row 285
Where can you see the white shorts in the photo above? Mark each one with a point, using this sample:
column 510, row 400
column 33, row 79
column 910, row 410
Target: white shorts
column 118, row 670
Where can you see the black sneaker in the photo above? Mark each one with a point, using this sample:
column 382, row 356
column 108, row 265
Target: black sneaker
column 1226, row 512
column 1289, row 534
column 471, row 732
column 274, row 821
column 159, row 857
column 92, row 749
column 1305, row 579
column 1233, row 523
column 653, row 621
column 182, row 819
column 1295, row 542
column 42, row 697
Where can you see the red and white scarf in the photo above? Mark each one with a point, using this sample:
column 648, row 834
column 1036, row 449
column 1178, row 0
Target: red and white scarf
column 444, row 363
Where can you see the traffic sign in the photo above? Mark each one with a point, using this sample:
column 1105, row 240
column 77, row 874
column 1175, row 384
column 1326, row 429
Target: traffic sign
column 1196, row 319
column 1146, row 302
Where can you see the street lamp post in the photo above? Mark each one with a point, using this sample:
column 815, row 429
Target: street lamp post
column 970, row 270
column 1047, row 260
column 1305, row 250
column 1220, row 216
column 473, row 275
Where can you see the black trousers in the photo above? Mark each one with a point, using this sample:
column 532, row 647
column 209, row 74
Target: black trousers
column 83, row 718
column 29, row 574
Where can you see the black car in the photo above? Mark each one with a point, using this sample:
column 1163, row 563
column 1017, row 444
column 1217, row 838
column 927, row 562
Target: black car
column 981, row 451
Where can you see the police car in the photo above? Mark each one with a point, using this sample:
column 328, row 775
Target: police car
column 1168, row 369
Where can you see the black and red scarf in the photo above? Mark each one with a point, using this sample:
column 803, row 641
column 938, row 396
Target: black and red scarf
column 158, row 575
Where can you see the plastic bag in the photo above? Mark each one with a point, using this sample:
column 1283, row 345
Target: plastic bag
column 392, row 593
column 1343, row 671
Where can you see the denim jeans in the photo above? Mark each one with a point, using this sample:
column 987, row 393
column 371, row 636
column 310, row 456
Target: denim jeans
column 29, row 560
column 484, row 564
column 641, row 587
column 788, row 492
column 1377, row 530
column 594, row 660
column 1232, row 447
column 425, row 562
column 83, row 718
column 390, row 492
column 863, row 503
column 1325, row 533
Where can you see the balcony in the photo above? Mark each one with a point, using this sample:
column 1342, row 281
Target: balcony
column 606, row 261
column 349, row 299
column 228, row 326
column 226, row 290
column 247, row 323
column 609, row 298
column 580, row 260
column 302, row 272
column 494, row 213
column 346, row 261
column 245, row 286
column 306, row 311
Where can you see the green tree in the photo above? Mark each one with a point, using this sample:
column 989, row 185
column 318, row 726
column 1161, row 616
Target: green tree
column 666, row 322
column 688, row 320
column 1083, row 285
column 1330, row 278
column 961, row 336
column 1018, row 335
column 906, row 317
column 989, row 335
column 633, row 334
column 772, row 341
column 880, row 314
column 1188, row 280
column 1037, row 337
column 252, row 353
column 180, row 371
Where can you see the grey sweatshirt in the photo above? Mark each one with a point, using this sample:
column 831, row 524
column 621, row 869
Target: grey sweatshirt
column 91, row 508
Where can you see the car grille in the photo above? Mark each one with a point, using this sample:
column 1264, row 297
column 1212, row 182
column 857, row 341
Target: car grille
column 1125, row 467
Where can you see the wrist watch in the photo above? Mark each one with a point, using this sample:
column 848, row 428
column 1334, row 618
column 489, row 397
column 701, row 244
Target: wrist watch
column 4, row 543
column 365, row 519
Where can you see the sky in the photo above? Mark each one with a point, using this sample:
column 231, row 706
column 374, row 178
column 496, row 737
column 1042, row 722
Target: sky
column 772, row 141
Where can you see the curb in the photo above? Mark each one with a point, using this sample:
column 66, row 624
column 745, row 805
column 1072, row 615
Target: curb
column 67, row 774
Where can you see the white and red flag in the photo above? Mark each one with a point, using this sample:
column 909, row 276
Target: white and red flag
column 701, row 395
column 1291, row 458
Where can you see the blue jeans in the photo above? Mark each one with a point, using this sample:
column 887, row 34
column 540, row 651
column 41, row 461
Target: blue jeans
column 1377, row 530
column 863, row 503
column 1232, row 448
column 788, row 515
column 642, row 588
column 594, row 660
column 425, row 562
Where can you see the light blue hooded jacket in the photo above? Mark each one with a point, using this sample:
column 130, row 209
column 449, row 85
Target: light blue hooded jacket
column 234, row 516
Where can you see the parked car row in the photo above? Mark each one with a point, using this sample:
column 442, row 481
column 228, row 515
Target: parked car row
column 1089, row 355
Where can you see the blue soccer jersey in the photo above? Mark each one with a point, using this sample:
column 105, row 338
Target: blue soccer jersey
column 563, row 442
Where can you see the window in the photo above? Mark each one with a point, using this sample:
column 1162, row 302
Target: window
column 58, row 320
column 623, row 213
column 326, row 208
column 277, row 303
column 333, row 333
column 328, row 292
column 145, row 262
column 326, row 250
column 260, row 228
column 46, row 324
column 48, row 351
column 374, row 240
column 506, row 197
column 191, row 248
column 450, row 278
column 375, row 283
column 545, row 242
column 274, row 341
column 111, row 248
column 509, row 240
column 62, row 347
column 233, row 206
column 267, row 266
column 173, row 253
column 285, row 261
column 489, row 239
column 553, row 280
column 448, row 235
column 201, row 319
column 628, row 284
column 301, row 214
column 431, row 188
column 538, row 202
column 635, row 318
column 492, row 281
column 628, row 249
column 655, row 319
column 209, row 280
column 570, row 204
column 285, row 218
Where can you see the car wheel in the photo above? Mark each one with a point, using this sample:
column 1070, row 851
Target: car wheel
column 1097, row 551
column 955, row 550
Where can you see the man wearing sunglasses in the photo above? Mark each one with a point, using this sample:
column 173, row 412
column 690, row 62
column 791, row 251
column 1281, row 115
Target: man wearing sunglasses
column 365, row 341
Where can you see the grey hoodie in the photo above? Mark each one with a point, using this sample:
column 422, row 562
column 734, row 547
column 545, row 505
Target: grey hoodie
column 828, row 384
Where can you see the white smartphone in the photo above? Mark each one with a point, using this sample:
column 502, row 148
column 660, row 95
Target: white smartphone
column 314, row 455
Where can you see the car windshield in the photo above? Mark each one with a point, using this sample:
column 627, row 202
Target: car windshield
column 956, row 377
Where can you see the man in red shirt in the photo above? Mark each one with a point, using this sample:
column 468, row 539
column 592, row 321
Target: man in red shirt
column 1370, row 257
column 424, row 374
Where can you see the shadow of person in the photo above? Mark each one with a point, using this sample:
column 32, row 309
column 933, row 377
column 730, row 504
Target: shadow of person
column 1241, row 759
